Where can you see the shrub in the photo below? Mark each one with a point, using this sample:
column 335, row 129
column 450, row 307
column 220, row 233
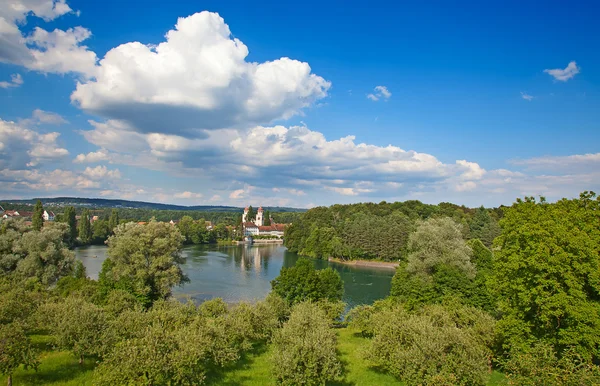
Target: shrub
column 540, row 366
column 303, row 282
column 433, row 346
column 305, row 349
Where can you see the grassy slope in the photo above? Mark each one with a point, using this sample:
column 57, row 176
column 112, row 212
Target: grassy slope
column 61, row 368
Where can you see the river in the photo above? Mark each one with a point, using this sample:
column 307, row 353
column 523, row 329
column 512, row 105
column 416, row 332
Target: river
column 244, row 273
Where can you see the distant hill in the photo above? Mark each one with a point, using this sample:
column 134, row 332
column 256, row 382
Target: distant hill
column 106, row 203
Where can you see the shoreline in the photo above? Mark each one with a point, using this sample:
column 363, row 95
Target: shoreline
column 366, row 263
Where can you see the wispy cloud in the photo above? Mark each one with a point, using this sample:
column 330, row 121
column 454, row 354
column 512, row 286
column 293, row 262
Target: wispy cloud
column 15, row 81
column 380, row 92
column 526, row 96
column 564, row 74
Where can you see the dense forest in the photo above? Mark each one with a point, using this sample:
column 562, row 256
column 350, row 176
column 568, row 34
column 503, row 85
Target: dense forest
column 523, row 310
column 380, row 231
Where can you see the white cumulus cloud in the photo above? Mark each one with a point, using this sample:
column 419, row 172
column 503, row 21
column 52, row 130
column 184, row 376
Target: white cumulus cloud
column 92, row 157
column 564, row 74
column 45, row 51
column 21, row 146
column 198, row 78
column 187, row 195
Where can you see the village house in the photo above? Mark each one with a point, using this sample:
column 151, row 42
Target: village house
column 17, row 214
column 48, row 216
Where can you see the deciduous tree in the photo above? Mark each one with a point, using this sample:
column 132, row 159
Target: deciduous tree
column 304, row 350
column 547, row 274
column 15, row 350
column 147, row 257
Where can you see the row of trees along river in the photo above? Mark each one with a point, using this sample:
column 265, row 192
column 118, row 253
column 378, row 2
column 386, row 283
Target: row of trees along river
column 522, row 308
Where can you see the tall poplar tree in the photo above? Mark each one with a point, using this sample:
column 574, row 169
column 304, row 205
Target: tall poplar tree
column 70, row 219
column 113, row 221
column 38, row 212
column 85, row 229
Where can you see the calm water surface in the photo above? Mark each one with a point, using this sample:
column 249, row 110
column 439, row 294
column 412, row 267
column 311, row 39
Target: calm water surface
column 244, row 272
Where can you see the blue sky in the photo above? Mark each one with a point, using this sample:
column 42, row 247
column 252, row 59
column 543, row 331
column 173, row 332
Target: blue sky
column 279, row 103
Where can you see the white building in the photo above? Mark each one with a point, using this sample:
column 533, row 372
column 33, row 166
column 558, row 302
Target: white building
column 258, row 221
column 250, row 229
column 48, row 216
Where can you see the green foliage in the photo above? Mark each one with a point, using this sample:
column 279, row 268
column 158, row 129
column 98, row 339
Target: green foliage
column 32, row 254
column 15, row 350
column 113, row 221
column 179, row 344
column 303, row 282
column 305, row 349
column 484, row 227
column 100, row 231
column 434, row 346
column 540, row 366
column 85, row 228
column 76, row 324
column 267, row 218
column 438, row 241
column 37, row 220
column 144, row 260
column 69, row 218
column 547, row 275
column 18, row 304
column 251, row 216
column 213, row 308
column 370, row 231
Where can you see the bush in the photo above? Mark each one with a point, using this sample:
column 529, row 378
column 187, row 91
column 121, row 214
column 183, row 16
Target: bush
column 303, row 282
column 77, row 325
column 539, row 365
column 433, row 346
column 305, row 349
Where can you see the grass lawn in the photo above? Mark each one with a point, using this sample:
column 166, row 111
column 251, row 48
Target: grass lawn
column 61, row 368
column 56, row 368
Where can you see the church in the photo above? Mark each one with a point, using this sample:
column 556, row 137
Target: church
column 258, row 227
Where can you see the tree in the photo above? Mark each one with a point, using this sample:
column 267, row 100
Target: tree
column 77, row 325
column 303, row 282
column 251, row 216
column 100, row 231
column 437, row 345
column 15, row 350
column 267, row 218
column 113, row 221
column 484, row 227
column 146, row 257
column 438, row 241
column 43, row 254
column 69, row 218
column 85, row 228
column 186, row 226
column 547, row 275
column 37, row 220
column 304, row 349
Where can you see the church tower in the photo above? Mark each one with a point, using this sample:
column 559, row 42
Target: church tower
column 245, row 215
column 259, row 217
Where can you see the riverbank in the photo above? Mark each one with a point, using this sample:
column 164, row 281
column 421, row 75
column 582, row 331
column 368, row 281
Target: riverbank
column 366, row 263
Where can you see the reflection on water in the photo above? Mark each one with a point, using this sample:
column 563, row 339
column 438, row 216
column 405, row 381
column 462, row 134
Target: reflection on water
column 244, row 272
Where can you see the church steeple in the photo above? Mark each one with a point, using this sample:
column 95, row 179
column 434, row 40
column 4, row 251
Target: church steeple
column 259, row 217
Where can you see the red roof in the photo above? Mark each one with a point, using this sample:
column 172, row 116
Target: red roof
column 260, row 209
column 272, row 228
column 249, row 225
